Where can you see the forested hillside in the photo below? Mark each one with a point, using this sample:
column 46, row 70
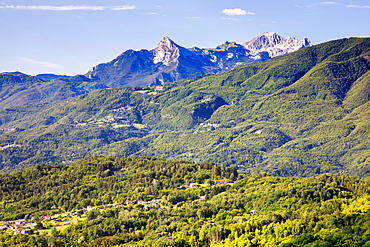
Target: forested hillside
column 21, row 89
column 301, row 114
column 108, row 198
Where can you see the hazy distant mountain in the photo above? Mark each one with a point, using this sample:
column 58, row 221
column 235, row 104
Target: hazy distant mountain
column 20, row 89
column 49, row 77
column 169, row 61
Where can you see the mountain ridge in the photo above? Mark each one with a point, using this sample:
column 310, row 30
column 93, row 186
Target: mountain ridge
column 167, row 62
column 275, row 45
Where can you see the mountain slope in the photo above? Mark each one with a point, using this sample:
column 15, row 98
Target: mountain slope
column 25, row 89
column 301, row 114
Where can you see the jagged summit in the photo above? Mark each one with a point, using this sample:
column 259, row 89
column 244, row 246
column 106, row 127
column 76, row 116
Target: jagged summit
column 166, row 41
column 267, row 39
column 270, row 34
column 166, row 51
column 274, row 44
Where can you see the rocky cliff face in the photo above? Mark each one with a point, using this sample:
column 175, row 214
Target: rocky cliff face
column 170, row 62
column 166, row 52
column 274, row 44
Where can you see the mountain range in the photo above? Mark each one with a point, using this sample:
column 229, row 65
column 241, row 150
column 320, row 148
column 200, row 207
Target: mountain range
column 167, row 62
column 301, row 114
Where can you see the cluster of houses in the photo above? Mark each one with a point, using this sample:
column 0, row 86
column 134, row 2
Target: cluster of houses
column 209, row 126
column 151, row 203
column 19, row 226
column 10, row 146
column 24, row 227
column 194, row 185
column 146, row 204
column 183, row 187
column 124, row 108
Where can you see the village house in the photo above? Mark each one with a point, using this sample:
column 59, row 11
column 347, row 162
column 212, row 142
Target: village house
column 124, row 108
column 156, row 201
column 31, row 225
column 142, row 203
column 214, row 182
column 19, row 222
column 127, row 202
column 193, row 185
column 89, row 208
column 23, row 231
column 14, row 227
column 151, row 203
column 182, row 187
column 115, row 205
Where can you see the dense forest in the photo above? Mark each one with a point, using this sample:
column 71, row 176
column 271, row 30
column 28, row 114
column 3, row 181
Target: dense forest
column 301, row 114
column 221, row 208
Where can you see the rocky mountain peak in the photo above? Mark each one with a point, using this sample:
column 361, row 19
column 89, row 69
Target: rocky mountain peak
column 167, row 42
column 166, row 51
column 274, row 44
column 265, row 40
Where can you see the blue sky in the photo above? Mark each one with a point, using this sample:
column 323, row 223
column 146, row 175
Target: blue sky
column 70, row 37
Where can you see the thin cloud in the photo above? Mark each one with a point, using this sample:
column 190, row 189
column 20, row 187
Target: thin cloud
column 303, row 6
column 125, row 7
column 230, row 18
column 66, row 7
column 48, row 65
column 236, row 11
column 358, row 6
column 314, row 5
